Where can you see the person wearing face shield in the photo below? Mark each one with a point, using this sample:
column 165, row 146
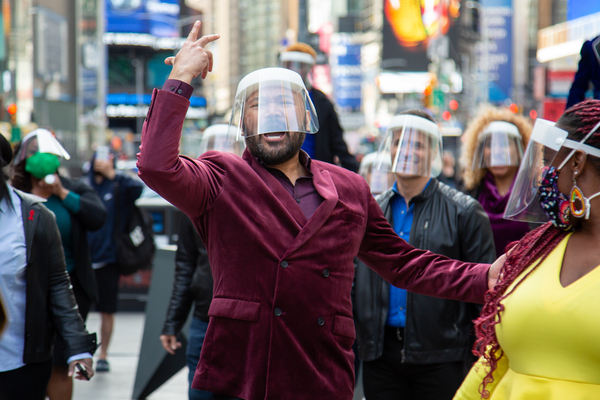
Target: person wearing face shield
column 78, row 210
column 281, row 231
column 40, row 297
column 415, row 346
column 328, row 142
column 492, row 152
column 537, row 334
column 379, row 179
column 193, row 281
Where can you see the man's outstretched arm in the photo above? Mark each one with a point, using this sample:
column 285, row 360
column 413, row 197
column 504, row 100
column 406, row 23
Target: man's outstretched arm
column 422, row 271
column 176, row 178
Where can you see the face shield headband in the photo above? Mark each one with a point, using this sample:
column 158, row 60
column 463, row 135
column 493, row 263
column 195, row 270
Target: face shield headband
column 536, row 179
column 39, row 141
column 415, row 146
column 272, row 100
column 499, row 145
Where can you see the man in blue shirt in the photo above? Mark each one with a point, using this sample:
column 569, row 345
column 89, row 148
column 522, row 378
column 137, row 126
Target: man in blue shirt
column 415, row 346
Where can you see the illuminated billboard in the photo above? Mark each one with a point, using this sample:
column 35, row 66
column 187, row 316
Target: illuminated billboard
column 411, row 27
column 159, row 18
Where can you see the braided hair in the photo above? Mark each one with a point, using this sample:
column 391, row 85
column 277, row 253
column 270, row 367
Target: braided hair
column 578, row 120
column 6, row 155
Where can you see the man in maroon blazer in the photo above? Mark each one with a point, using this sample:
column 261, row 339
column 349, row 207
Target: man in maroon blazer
column 281, row 232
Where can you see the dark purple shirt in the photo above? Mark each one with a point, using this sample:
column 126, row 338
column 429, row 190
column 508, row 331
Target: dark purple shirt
column 505, row 231
column 303, row 192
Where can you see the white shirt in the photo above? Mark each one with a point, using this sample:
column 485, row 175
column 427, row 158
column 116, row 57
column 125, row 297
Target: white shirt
column 13, row 260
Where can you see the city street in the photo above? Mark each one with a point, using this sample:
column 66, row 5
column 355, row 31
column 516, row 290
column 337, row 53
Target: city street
column 123, row 357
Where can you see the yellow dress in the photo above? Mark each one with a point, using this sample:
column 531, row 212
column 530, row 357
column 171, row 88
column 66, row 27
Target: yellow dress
column 550, row 336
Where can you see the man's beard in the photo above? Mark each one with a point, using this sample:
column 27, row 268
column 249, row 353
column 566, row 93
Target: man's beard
column 276, row 153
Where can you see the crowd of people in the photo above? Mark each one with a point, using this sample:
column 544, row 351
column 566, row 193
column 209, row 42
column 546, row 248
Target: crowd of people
column 477, row 284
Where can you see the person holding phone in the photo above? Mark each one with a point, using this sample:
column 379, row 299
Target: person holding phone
column 40, row 300
column 106, row 181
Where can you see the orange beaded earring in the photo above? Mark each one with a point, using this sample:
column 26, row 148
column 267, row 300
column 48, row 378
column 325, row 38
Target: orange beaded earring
column 580, row 205
column 578, row 201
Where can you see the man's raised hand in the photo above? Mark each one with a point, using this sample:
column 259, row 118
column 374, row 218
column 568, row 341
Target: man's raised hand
column 193, row 59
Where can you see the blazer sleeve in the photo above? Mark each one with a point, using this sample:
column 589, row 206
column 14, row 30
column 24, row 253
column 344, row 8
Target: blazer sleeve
column 185, row 265
column 176, row 178
column 583, row 76
column 92, row 213
column 62, row 306
column 469, row 390
column 416, row 270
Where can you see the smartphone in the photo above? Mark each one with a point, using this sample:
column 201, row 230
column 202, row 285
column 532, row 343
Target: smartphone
column 102, row 153
column 83, row 371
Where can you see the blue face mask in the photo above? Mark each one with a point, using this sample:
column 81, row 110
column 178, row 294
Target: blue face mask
column 553, row 202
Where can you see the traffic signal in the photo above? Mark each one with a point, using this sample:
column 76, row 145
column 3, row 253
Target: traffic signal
column 12, row 112
column 428, row 96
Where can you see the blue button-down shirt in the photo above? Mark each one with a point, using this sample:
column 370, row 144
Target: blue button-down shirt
column 402, row 222
column 13, row 260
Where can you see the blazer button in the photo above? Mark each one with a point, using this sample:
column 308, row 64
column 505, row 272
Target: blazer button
column 278, row 312
column 284, row 264
column 326, row 273
column 321, row 321
column 172, row 88
column 179, row 91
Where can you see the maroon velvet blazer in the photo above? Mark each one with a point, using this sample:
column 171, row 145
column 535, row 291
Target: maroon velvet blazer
column 281, row 322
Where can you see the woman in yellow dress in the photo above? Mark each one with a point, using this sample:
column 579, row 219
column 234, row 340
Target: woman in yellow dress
column 538, row 331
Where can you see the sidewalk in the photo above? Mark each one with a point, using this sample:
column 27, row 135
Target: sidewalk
column 123, row 358
column 123, row 355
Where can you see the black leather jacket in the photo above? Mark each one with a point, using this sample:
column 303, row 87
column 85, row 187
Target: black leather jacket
column 51, row 306
column 446, row 222
column 193, row 280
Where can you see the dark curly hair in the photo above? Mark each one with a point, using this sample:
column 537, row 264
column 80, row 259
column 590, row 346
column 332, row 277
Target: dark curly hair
column 578, row 120
column 21, row 179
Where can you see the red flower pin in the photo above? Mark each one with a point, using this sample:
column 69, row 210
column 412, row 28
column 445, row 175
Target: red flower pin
column 31, row 212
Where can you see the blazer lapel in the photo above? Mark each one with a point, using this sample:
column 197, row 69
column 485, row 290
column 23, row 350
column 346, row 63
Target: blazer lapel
column 326, row 188
column 288, row 203
column 30, row 219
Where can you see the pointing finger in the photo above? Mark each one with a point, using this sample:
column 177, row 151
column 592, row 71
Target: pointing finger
column 193, row 36
column 210, row 60
column 204, row 40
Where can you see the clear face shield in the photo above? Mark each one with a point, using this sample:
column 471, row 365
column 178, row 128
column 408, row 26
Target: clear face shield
column 545, row 143
column 215, row 137
column 297, row 61
column 415, row 146
column 272, row 101
column 42, row 141
column 379, row 179
column 499, row 146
